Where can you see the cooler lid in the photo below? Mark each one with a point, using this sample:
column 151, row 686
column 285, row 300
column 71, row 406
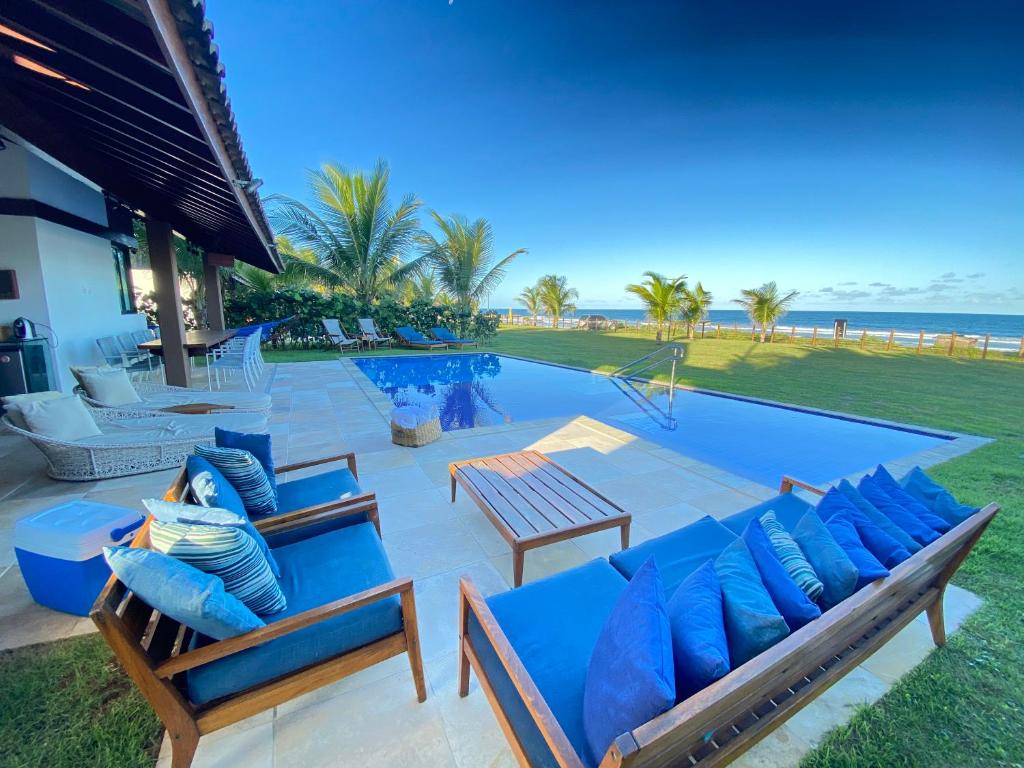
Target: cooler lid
column 77, row 530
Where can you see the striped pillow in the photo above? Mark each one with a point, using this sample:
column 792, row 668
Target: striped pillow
column 792, row 557
column 229, row 553
column 247, row 476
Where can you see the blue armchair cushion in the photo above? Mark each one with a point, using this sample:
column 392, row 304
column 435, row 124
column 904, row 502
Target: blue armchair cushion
column 752, row 623
column 246, row 474
column 875, row 493
column 795, row 607
column 792, row 557
column 887, row 550
column 871, row 513
column 788, row 508
column 553, row 625
column 318, row 489
column 314, row 572
column 677, row 554
column 631, row 678
column 868, row 567
column 700, row 650
column 182, row 592
column 937, row 499
column 211, row 489
column 908, row 502
column 833, row 566
column 258, row 444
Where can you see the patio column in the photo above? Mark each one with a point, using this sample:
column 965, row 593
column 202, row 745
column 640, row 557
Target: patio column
column 164, row 262
column 212, row 262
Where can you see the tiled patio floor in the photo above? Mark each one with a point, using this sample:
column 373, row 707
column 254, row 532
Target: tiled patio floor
column 372, row 718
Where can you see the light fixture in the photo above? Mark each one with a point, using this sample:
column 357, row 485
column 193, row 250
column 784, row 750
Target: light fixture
column 249, row 186
column 24, row 38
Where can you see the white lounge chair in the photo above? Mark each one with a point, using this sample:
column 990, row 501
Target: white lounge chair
column 370, row 334
column 337, row 335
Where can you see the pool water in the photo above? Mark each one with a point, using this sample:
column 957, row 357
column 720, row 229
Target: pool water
column 757, row 441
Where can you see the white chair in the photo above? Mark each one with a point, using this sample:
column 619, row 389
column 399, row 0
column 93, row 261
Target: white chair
column 243, row 356
column 370, row 333
column 337, row 334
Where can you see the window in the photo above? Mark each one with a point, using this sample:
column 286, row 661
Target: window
column 123, row 276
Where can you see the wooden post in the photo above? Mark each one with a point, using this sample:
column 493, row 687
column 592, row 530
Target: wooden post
column 920, row 342
column 1021, row 353
column 718, row 331
column 753, row 333
column 863, row 338
column 212, row 262
column 792, row 334
column 164, row 263
column 771, row 339
column 984, row 349
column 814, row 336
column 952, row 342
column 892, row 338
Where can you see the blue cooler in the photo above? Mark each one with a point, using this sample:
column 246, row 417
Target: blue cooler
column 60, row 551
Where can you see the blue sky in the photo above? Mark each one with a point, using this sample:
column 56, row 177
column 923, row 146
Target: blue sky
column 868, row 154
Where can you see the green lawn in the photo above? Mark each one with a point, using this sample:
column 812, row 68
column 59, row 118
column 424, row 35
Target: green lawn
column 66, row 705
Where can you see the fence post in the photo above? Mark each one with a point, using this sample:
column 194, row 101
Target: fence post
column 952, row 342
column 1021, row 354
column 920, row 341
column 984, row 349
column 892, row 338
column 814, row 337
column 792, row 334
column 863, row 338
column 718, row 331
column 753, row 332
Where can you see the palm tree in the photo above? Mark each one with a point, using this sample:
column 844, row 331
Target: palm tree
column 530, row 298
column 696, row 304
column 662, row 296
column 765, row 305
column 422, row 287
column 359, row 241
column 557, row 297
column 292, row 276
column 462, row 259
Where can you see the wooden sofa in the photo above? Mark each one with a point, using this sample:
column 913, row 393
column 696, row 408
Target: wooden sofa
column 163, row 656
column 718, row 723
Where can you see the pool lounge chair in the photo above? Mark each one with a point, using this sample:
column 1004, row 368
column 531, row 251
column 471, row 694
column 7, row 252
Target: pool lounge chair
column 510, row 640
column 443, row 334
column 410, row 337
column 370, row 334
column 337, row 335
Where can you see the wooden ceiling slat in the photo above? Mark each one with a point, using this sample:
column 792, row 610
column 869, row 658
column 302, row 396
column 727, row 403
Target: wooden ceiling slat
column 151, row 57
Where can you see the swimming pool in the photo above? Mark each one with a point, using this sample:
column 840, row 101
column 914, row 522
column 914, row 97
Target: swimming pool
column 754, row 440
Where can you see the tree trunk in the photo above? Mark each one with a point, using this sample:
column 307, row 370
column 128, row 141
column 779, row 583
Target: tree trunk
column 763, row 331
column 657, row 335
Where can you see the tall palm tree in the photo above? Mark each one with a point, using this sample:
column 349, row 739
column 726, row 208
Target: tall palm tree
column 765, row 305
column 530, row 298
column 662, row 296
column 462, row 259
column 359, row 240
column 421, row 286
column 696, row 304
column 292, row 276
column 556, row 296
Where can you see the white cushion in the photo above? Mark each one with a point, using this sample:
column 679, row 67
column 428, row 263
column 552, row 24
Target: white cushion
column 63, row 418
column 106, row 385
column 13, row 403
column 178, row 512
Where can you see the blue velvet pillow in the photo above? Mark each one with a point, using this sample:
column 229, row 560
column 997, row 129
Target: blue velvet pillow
column 908, row 502
column 791, row 601
column 631, row 678
column 875, row 493
column 937, row 499
column 884, row 547
column 845, row 534
column 255, row 443
column 699, row 646
column 871, row 513
column 752, row 622
column 833, row 566
column 184, row 593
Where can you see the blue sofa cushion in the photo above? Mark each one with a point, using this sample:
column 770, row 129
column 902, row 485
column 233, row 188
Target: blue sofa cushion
column 789, row 599
column 553, row 625
column 700, row 650
column 870, row 511
column 937, row 499
column 875, row 493
column 908, row 502
column 845, row 533
column 752, row 623
column 246, row 474
column 880, row 544
column 258, row 444
column 184, row 593
column 314, row 572
column 788, row 509
column 310, row 491
column 631, row 678
column 833, row 566
column 677, row 554
column 792, row 557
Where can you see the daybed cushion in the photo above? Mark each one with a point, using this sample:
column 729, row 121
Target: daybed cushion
column 677, row 554
column 184, row 593
column 752, row 623
column 552, row 625
column 937, row 499
column 631, row 678
column 314, row 572
column 107, row 385
column 833, row 566
column 875, row 493
column 845, row 534
column 908, row 502
column 13, row 403
column 788, row 509
column 795, row 607
column 63, row 418
column 871, row 512
column 700, row 650
column 258, row 444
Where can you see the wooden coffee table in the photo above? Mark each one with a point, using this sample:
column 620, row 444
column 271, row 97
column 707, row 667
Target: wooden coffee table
column 532, row 502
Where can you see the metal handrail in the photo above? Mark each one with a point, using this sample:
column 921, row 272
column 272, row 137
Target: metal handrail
column 678, row 352
column 675, row 352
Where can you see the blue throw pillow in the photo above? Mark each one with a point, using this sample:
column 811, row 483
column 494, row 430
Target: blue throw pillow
column 937, row 499
column 871, row 513
column 184, row 593
column 247, row 476
column 908, row 502
column 791, row 601
column 256, row 444
column 752, row 622
column 229, row 553
column 875, row 493
column 868, row 567
column 880, row 544
column 833, row 566
column 792, row 557
column 699, row 647
column 631, row 678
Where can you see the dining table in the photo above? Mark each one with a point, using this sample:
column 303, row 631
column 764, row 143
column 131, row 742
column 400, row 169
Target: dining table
column 197, row 343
